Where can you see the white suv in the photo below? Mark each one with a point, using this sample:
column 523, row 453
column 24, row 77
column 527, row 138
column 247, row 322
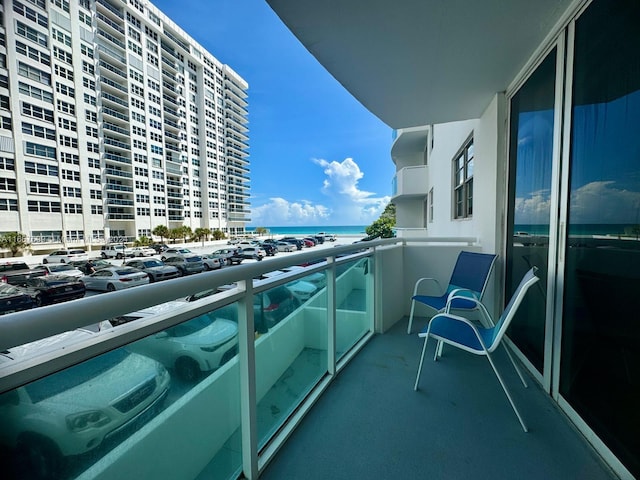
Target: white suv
column 73, row 411
column 116, row 251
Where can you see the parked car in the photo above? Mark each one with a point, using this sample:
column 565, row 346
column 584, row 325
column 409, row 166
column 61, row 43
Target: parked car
column 14, row 299
column 159, row 247
column 327, row 236
column 15, row 273
column 173, row 252
column 199, row 345
column 155, row 269
column 113, row 278
column 186, row 264
column 73, row 411
column 231, row 255
column 65, row 255
column 143, row 251
column 286, row 247
column 211, row 262
column 53, row 289
column 310, row 242
column 115, row 251
column 268, row 248
column 296, row 241
column 319, row 280
column 60, row 269
column 97, row 263
column 269, row 307
column 255, row 253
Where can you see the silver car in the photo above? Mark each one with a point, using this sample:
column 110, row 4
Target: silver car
column 187, row 263
column 115, row 278
column 155, row 269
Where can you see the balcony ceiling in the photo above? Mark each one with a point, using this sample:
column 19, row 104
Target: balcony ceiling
column 417, row 62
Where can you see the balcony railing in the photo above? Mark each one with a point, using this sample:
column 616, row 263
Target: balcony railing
column 309, row 320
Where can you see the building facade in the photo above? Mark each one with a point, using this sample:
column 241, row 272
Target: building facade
column 115, row 121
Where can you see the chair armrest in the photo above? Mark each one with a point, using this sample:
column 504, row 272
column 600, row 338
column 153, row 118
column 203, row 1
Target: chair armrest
column 440, row 321
column 420, row 280
column 472, row 299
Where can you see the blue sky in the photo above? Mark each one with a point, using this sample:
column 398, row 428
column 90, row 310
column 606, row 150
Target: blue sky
column 318, row 157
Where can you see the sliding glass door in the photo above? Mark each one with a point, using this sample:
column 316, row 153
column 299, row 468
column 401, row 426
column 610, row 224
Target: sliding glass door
column 599, row 374
column 531, row 152
column 574, row 212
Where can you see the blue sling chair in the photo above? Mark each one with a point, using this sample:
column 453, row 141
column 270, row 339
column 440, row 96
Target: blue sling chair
column 464, row 334
column 469, row 278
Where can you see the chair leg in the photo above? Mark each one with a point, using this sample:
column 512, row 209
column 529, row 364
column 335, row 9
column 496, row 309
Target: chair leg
column 413, row 307
column 438, row 353
column 506, row 391
column 424, row 349
column 515, row 366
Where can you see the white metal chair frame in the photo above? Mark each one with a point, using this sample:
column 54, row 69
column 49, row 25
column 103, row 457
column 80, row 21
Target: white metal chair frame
column 496, row 336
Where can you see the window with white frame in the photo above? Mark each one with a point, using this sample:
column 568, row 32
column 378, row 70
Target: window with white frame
column 463, row 181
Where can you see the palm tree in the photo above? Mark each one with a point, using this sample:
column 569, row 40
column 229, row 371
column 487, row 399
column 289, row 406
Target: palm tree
column 161, row 231
column 14, row 242
column 201, row 233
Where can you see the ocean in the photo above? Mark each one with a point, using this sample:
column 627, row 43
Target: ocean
column 307, row 230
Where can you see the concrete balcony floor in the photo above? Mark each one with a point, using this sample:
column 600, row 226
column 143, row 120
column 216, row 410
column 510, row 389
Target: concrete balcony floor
column 458, row 425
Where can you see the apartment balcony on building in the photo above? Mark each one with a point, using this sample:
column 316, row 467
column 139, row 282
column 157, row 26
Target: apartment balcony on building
column 323, row 349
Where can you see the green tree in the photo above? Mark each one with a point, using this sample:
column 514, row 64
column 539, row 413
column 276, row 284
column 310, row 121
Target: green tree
column 143, row 241
column 218, row 234
column 201, row 233
column 261, row 231
column 14, row 242
column 383, row 226
column 161, row 231
column 185, row 232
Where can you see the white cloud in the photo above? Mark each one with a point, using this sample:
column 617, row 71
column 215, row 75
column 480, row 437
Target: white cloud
column 595, row 202
column 348, row 205
column 280, row 212
column 601, row 202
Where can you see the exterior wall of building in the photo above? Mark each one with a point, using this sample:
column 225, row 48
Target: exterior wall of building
column 115, row 121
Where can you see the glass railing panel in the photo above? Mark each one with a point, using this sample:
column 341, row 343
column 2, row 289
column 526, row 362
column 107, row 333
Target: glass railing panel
column 57, row 426
column 354, row 291
column 290, row 352
column 177, row 382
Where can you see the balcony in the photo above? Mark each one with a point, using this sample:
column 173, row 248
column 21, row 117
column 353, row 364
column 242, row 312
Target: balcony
column 410, row 182
column 368, row 424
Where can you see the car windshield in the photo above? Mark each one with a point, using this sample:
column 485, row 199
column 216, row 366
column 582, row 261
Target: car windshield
column 60, row 268
column 193, row 259
column 152, row 263
column 190, row 327
column 8, row 289
column 52, row 385
column 126, row 271
column 52, row 280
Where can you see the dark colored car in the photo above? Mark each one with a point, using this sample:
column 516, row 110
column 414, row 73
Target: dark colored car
column 296, row 241
column 269, row 248
column 13, row 299
column 231, row 255
column 53, row 289
column 155, row 269
column 159, row 247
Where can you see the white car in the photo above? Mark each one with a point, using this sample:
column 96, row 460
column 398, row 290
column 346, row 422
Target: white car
column 143, row 251
column 115, row 251
column 60, row 269
column 175, row 252
column 73, row 411
column 109, row 279
column 211, row 262
column 65, row 255
column 199, row 345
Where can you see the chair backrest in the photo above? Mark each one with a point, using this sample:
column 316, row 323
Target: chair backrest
column 472, row 271
column 512, row 307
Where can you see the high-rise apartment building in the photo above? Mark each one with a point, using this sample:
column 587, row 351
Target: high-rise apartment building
column 114, row 121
